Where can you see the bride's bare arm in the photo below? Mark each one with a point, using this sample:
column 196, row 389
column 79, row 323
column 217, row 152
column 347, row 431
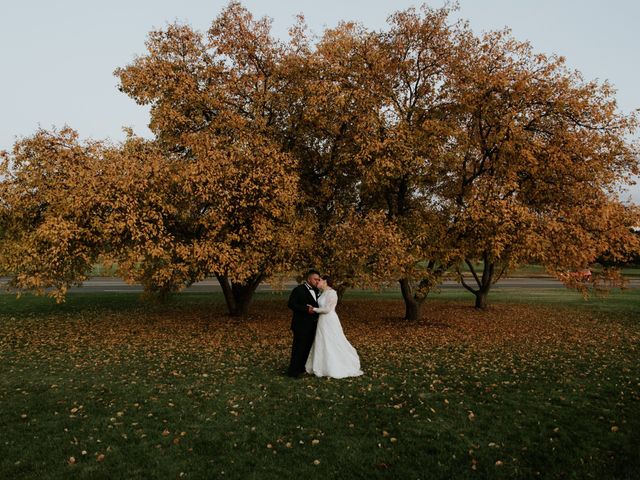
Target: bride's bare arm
column 332, row 301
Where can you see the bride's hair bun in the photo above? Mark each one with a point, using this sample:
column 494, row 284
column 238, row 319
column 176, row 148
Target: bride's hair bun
column 329, row 280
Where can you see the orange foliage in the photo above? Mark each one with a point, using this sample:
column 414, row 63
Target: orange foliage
column 50, row 216
column 376, row 156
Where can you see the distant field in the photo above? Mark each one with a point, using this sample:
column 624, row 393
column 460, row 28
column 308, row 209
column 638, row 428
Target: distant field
column 539, row 271
column 100, row 270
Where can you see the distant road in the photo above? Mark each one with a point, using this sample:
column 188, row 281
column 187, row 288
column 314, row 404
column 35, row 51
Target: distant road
column 108, row 284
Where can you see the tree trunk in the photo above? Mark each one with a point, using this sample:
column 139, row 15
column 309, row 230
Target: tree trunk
column 484, row 281
column 481, row 299
column 238, row 296
column 413, row 306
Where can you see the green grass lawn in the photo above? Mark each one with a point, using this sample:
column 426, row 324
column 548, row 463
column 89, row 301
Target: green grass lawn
column 541, row 385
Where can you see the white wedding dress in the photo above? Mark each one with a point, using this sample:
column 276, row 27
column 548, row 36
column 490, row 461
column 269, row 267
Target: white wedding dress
column 331, row 354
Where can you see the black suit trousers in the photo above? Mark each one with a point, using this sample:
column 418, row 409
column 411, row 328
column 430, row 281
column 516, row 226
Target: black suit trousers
column 303, row 325
column 303, row 337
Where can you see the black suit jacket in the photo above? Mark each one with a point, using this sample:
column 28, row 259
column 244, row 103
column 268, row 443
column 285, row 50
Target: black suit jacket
column 298, row 300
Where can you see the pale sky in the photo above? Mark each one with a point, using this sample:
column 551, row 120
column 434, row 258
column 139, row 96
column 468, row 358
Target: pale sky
column 58, row 56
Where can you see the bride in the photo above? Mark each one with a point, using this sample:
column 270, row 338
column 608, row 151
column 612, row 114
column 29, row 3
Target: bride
column 331, row 354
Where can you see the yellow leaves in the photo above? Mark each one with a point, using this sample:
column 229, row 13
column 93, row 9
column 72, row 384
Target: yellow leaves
column 358, row 258
column 420, row 142
column 49, row 197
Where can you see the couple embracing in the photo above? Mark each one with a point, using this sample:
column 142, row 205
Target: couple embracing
column 319, row 345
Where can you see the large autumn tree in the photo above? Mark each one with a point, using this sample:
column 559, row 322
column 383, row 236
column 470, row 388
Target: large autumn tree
column 373, row 137
column 68, row 203
column 49, row 216
column 353, row 241
column 374, row 155
column 404, row 143
column 217, row 102
column 537, row 156
column 147, row 228
column 475, row 149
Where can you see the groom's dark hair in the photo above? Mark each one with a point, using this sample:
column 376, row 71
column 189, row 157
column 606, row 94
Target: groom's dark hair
column 311, row 272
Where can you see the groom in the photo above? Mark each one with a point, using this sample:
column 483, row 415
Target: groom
column 304, row 321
